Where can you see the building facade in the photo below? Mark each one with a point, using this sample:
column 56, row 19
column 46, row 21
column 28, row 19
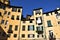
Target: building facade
column 38, row 26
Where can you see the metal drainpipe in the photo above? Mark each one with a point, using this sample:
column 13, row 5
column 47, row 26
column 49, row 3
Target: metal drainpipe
column 19, row 30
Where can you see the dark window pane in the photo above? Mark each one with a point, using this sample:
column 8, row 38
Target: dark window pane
column 0, row 14
column 16, row 27
column 42, row 35
column 47, row 14
column 58, row 22
column 18, row 10
column 36, row 18
column 49, row 23
column 30, row 27
column 12, row 17
column 30, row 21
column 17, row 18
column 5, row 12
column 23, row 21
column 2, row 21
column 8, row 13
column 50, row 34
column 23, row 35
column 38, row 36
column 38, row 13
column 31, row 35
column 14, row 9
column 23, row 27
column 6, row 22
column 15, row 35
column 10, row 29
column 40, row 28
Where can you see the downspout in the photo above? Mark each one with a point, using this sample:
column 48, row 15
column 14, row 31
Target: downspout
column 19, row 27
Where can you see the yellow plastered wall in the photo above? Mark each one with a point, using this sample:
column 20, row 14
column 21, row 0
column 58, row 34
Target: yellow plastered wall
column 11, row 22
column 55, row 28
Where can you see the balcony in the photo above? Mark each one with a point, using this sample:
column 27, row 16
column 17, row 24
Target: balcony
column 39, row 32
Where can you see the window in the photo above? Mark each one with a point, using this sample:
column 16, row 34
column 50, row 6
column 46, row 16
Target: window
column 17, row 18
column 30, row 21
column 5, row 27
column 8, row 35
column 58, row 16
column 39, row 20
column 47, row 14
column 42, row 35
column 2, row 21
column 5, row 12
column 58, row 22
column 14, row 9
column 6, row 22
column 38, row 36
column 51, row 34
column 23, row 35
column 23, row 27
column 30, row 35
column 38, row 12
column 23, row 21
column 40, row 28
column 8, row 13
column 15, row 35
column 12, row 17
column 18, row 10
column 10, row 29
column 0, row 14
column 16, row 27
column 30, row 27
column 49, row 23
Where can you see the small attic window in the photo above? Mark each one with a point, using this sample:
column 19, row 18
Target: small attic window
column 14, row 9
column 47, row 14
column 38, row 12
column 18, row 10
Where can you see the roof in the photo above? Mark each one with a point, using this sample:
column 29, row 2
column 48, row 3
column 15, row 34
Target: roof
column 52, row 11
column 11, row 5
column 37, row 9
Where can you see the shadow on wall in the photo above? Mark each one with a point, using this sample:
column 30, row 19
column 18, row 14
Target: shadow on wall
column 3, row 35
